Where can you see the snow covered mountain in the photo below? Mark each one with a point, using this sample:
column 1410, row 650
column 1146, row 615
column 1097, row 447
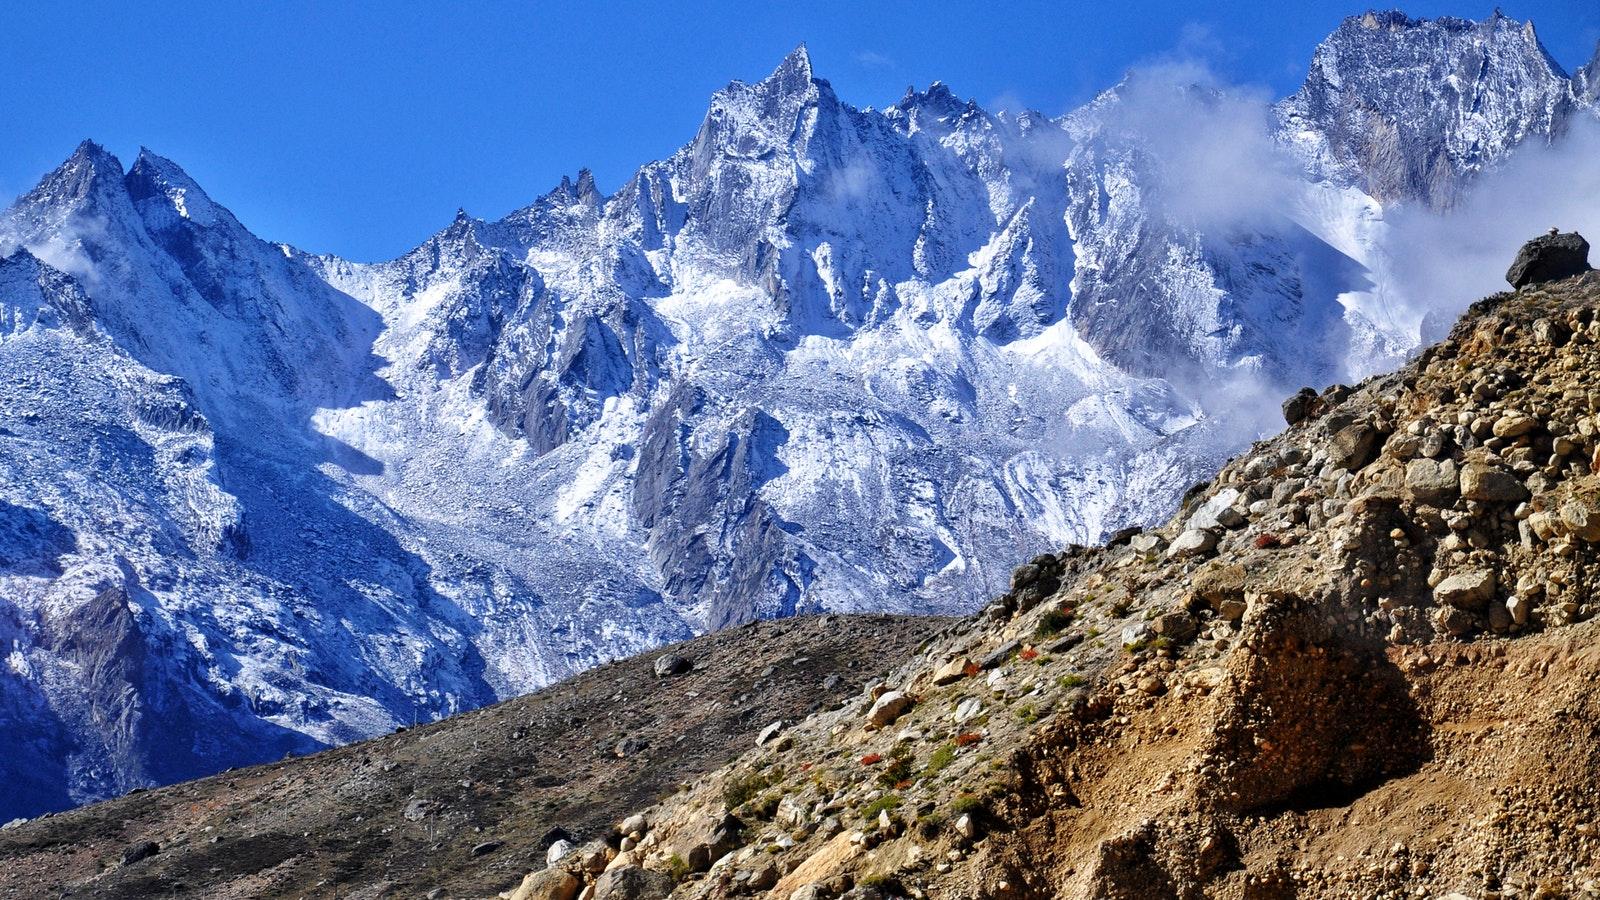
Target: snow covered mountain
column 822, row 357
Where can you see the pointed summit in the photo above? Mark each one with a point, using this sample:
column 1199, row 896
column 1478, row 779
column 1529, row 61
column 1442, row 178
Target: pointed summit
column 155, row 181
column 88, row 174
column 793, row 75
column 587, row 192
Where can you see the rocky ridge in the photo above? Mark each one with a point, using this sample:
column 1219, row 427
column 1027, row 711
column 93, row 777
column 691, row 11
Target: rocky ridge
column 1360, row 662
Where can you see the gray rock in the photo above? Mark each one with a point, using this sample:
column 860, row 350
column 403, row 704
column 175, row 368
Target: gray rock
column 1434, row 482
column 486, row 848
column 557, row 852
column 1549, row 331
column 999, row 656
column 967, row 710
column 1194, row 542
column 1582, row 519
column 1466, row 590
column 1137, row 633
column 1494, row 485
column 1549, row 257
column 887, row 708
column 1149, row 542
column 1352, row 446
column 769, row 732
column 140, row 852
column 1218, row 511
column 633, row 883
column 669, row 664
column 1299, row 407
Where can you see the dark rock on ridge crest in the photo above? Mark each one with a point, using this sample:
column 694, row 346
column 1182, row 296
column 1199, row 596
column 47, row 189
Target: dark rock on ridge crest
column 1549, row 257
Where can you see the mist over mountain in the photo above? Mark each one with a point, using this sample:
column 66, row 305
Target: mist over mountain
column 822, row 358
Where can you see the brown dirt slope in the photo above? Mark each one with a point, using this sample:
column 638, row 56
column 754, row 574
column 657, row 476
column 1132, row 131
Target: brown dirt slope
column 1363, row 662
column 401, row 815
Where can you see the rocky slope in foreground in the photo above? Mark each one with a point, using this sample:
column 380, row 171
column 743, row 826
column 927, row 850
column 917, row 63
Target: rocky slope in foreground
column 1359, row 663
column 464, row 806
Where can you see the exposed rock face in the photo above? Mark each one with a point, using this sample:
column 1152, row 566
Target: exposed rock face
column 1372, row 650
column 1550, row 257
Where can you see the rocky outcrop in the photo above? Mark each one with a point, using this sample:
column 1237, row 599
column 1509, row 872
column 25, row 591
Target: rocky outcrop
column 1298, row 702
column 1550, row 257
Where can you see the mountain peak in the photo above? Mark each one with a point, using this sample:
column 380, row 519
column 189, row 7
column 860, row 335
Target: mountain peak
column 156, row 178
column 794, row 74
column 90, row 175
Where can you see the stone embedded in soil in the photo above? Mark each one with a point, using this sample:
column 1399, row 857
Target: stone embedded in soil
column 887, row 708
column 1470, row 591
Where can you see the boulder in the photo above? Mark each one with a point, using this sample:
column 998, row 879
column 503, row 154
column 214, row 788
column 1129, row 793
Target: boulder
column 1581, row 519
column 1218, row 511
column 887, row 708
column 1217, row 583
column 967, row 710
column 1466, row 590
column 1148, row 542
column 1549, row 257
column 1298, row 408
column 1194, row 542
column 1514, row 425
column 1433, row 482
column 952, row 671
column 769, row 733
column 708, row 839
column 548, row 884
column 1491, row 484
column 140, row 852
column 635, row 824
column 633, row 883
column 594, row 856
column 1352, row 446
column 1178, row 627
column 557, row 852
column 669, row 664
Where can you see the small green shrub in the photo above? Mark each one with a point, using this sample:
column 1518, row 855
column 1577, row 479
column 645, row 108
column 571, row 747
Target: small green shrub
column 888, row 802
column 967, row 805
column 677, row 867
column 1072, row 681
column 940, row 760
column 1053, row 622
column 1028, row 714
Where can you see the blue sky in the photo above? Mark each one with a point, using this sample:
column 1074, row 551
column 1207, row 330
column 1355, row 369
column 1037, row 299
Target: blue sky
column 359, row 128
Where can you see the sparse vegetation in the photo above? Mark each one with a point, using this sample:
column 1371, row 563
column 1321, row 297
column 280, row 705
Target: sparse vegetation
column 899, row 770
column 742, row 788
column 940, row 760
column 967, row 805
column 1054, row 622
column 889, row 802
